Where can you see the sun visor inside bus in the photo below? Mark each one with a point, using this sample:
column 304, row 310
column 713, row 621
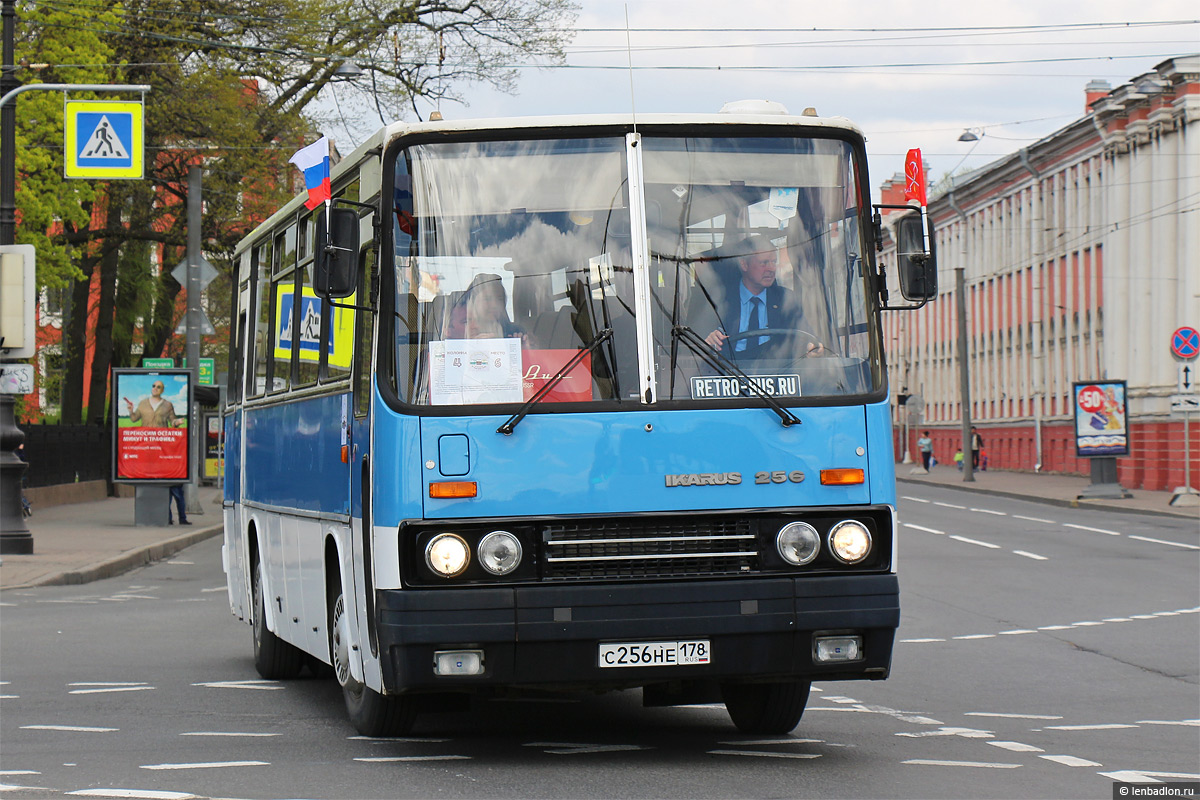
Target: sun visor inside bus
column 454, row 454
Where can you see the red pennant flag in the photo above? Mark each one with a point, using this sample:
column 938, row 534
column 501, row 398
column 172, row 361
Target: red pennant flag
column 914, row 177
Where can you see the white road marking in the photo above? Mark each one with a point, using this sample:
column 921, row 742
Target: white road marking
column 111, row 689
column 131, row 597
column 1072, row 761
column 139, row 794
column 977, row 636
column 1018, row 747
column 207, row 765
column 14, row 787
column 1086, row 528
column 837, row 699
column 1101, row 727
column 80, row 728
column 761, row 742
column 1009, row 716
column 182, row 563
column 392, row 759
column 949, row 505
column 1034, row 556
column 1034, row 519
column 923, row 528
column 1118, row 619
column 1142, row 776
column 914, row 499
column 920, row 641
column 227, row 733
column 1055, row 628
column 1088, row 624
column 761, row 754
column 395, row 740
column 256, row 683
column 968, row 733
column 1164, row 541
column 11, row 772
column 215, row 589
column 928, row 762
column 1194, row 723
column 1017, row 632
column 9, row 696
column 989, row 511
column 975, row 541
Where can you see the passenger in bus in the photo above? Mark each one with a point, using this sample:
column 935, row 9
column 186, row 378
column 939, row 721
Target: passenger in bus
column 454, row 323
column 487, row 312
column 752, row 300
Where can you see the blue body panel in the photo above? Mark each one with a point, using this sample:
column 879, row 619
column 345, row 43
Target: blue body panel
column 233, row 456
column 294, row 455
column 565, row 464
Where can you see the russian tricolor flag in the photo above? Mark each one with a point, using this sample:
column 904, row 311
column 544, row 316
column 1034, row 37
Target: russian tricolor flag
column 313, row 161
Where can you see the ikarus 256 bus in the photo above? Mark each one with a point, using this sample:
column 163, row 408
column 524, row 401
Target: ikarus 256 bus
column 558, row 404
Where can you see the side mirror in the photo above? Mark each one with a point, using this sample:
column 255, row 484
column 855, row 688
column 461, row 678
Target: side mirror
column 916, row 268
column 336, row 267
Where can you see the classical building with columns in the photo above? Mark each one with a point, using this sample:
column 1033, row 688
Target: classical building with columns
column 1081, row 256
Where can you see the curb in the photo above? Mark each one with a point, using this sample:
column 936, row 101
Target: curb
column 131, row 559
column 1052, row 501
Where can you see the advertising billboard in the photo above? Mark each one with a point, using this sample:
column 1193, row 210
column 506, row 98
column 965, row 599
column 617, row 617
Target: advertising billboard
column 1101, row 427
column 150, row 411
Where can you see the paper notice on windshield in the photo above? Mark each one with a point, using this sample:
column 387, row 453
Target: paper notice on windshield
column 471, row 371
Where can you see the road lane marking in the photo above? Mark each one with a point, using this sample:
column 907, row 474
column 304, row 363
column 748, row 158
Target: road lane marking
column 1086, row 528
column 1194, row 723
column 1118, row 619
column 977, row 636
column 78, row 728
column 1144, row 776
column 920, row 641
column 1034, row 556
column 1017, row 632
column 762, row 754
column 1009, row 716
column 1055, row 628
column 1035, row 519
column 228, row 733
column 1072, row 761
column 929, row 762
column 923, row 528
column 966, row 733
column 1088, row 624
column 111, row 689
column 11, row 772
column 988, row 545
column 914, row 499
column 134, row 794
column 761, row 742
column 989, row 511
column 256, row 683
column 207, row 765
column 1018, row 747
column 393, row 759
column 1106, row 726
column 1164, row 541
column 949, row 505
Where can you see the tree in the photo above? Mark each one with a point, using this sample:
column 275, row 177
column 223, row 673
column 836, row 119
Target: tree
column 233, row 84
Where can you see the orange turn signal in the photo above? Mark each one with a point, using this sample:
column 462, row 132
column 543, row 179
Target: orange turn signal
column 452, row 489
column 842, row 477
column 345, row 454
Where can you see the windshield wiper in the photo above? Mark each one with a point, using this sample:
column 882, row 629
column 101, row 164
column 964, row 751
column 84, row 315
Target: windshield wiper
column 511, row 423
column 695, row 343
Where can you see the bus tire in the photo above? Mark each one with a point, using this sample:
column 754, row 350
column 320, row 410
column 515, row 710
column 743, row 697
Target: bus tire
column 274, row 658
column 763, row 708
column 371, row 713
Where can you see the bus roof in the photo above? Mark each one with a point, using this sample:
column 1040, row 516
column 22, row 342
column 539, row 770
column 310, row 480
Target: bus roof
column 386, row 135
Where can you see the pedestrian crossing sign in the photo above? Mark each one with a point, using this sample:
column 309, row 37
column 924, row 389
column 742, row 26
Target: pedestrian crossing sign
column 104, row 139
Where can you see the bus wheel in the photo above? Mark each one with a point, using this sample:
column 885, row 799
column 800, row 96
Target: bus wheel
column 274, row 658
column 371, row 713
column 766, row 707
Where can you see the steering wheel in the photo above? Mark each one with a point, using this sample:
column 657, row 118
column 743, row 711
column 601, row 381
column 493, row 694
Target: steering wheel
column 734, row 338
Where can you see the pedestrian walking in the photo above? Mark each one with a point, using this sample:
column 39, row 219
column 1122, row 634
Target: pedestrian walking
column 925, row 445
column 976, row 446
column 180, row 503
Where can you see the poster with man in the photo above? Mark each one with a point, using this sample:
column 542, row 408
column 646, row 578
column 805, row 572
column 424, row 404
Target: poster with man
column 1101, row 428
column 150, row 425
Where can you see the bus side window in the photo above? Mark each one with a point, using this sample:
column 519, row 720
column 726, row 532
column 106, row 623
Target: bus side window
column 260, row 343
column 364, row 359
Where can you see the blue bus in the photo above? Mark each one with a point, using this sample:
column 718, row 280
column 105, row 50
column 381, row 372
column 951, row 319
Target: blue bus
column 571, row 404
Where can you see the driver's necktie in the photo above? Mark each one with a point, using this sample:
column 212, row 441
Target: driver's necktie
column 754, row 323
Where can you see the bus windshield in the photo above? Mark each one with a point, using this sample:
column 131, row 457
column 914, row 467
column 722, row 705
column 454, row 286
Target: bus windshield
column 510, row 257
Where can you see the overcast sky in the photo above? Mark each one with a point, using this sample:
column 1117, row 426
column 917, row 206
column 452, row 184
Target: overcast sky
column 910, row 73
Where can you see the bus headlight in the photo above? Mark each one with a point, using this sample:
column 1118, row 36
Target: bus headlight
column 500, row 552
column 850, row 541
column 447, row 555
column 798, row 543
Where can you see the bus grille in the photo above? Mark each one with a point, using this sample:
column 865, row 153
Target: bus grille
column 654, row 548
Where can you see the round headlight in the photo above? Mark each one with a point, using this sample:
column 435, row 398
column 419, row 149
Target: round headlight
column 798, row 543
column 850, row 541
column 500, row 552
column 447, row 555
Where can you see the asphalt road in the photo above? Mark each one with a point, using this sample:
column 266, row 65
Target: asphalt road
column 1044, row 653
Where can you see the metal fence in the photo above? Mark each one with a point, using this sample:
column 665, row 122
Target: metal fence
column 66, row 454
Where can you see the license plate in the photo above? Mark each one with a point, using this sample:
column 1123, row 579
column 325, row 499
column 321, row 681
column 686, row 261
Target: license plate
column 655, row 654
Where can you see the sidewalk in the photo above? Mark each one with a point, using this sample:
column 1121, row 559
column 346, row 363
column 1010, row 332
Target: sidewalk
column 1060, row 490
column 84, row 542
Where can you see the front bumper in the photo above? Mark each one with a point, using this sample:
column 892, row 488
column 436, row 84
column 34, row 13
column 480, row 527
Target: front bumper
column 548, row 636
